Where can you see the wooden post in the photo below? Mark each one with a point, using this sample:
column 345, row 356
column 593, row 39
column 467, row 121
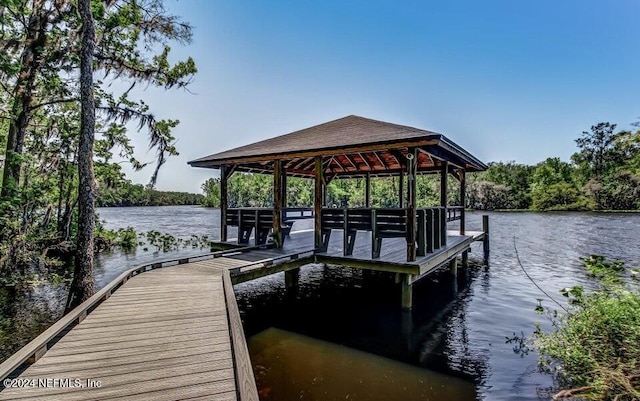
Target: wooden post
column 277, row 204
column 291, row 278
column 407, row 292
column 318, row 201
column 401, row 188
column 465, row 259
column 412, row 171
column 485, row 241
column 223, row 203
column 443, row 183
column 453, row 267
column 444, row 173
column 367, row 194
column 285, row 201
column 463, row 195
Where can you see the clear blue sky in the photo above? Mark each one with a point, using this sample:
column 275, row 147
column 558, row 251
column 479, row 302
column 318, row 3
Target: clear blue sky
column 507, row 80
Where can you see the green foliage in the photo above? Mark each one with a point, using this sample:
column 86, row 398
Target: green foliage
column 39, row 101
column 595, row 348
column 502, row 186
column 164, row 242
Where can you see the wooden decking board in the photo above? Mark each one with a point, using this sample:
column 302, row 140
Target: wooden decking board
column 128, row 387
column 134, row 359
column 214, row 391
column 168, row 317
column 219, row 397
column 143, row 327
column 97, row 368
column 80, row 346
column 96, row 338
column 156, row 313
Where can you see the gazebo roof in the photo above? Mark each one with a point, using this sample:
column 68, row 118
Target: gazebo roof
column 350, row 146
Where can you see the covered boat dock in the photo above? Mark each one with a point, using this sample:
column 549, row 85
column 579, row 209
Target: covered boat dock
column 405, row 239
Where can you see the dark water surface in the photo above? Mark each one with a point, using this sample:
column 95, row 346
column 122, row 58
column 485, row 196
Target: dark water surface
column 343, row 335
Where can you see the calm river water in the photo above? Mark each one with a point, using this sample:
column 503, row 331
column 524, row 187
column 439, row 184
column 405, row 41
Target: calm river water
column 343, row 336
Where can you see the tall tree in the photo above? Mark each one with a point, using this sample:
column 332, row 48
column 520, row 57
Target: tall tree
column 82, row 284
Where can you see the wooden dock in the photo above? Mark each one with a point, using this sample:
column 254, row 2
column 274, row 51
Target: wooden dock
column 171, row 330
column 154, row 333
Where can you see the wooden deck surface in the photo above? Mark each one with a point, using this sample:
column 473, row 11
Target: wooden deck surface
column 393, row 255
column 163, row 335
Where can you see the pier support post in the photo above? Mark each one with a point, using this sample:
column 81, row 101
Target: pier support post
column 412, row 170
column 291, row 278
column 367, row 189
column 318, row 201
column 225, row 174
column 278, row 200
column 453, row 267
column 485, row 240
column 465, row 259
column 463, row 201
column 407, row 292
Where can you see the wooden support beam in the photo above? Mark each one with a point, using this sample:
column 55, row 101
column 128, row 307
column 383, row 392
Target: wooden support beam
column 364, row 159
column 285, row 201
column 465, row 259
column 353, row 163
column 382, row 163
column 444, row 168
column 318, row 201
column 463, row 201
column 407, row 292
column 401, row 188
column 367, row 193
column 412, row 163
column 291, row 278
column 397, row 154
column 453, row 267
column 485, row 240
column 277, row 204
column 223, row 203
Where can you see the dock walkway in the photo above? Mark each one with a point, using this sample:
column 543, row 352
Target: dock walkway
column 166, row 334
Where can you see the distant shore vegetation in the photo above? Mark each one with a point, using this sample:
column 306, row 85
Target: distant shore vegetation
column 604, row 174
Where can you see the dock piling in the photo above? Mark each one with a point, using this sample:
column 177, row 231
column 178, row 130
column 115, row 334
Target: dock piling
column 291, row 278
column 407, row 292
column 453, row 267
column 485, row 240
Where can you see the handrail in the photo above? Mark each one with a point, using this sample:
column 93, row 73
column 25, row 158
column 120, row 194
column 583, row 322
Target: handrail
column 245, row 380
column 37, row 347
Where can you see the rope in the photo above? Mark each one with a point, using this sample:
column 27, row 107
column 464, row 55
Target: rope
column 531, row 279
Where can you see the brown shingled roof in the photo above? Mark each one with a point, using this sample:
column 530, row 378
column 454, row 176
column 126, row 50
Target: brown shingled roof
column 353, row 144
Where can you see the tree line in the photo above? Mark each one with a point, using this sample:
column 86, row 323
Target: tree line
column 129, row 194
column 603, row 174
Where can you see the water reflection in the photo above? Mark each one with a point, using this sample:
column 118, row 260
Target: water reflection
column 27, row 312
column 291, row 366
column 361, row 313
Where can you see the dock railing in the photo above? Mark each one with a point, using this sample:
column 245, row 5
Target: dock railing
column 431, row 227
column 259, row 221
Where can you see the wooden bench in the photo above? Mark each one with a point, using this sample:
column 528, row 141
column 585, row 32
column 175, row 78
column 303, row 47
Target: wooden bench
column 259, row 221
column 347, row 220
column 386, row 223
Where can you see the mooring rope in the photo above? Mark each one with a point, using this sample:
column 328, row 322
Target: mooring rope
column 532, row 280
